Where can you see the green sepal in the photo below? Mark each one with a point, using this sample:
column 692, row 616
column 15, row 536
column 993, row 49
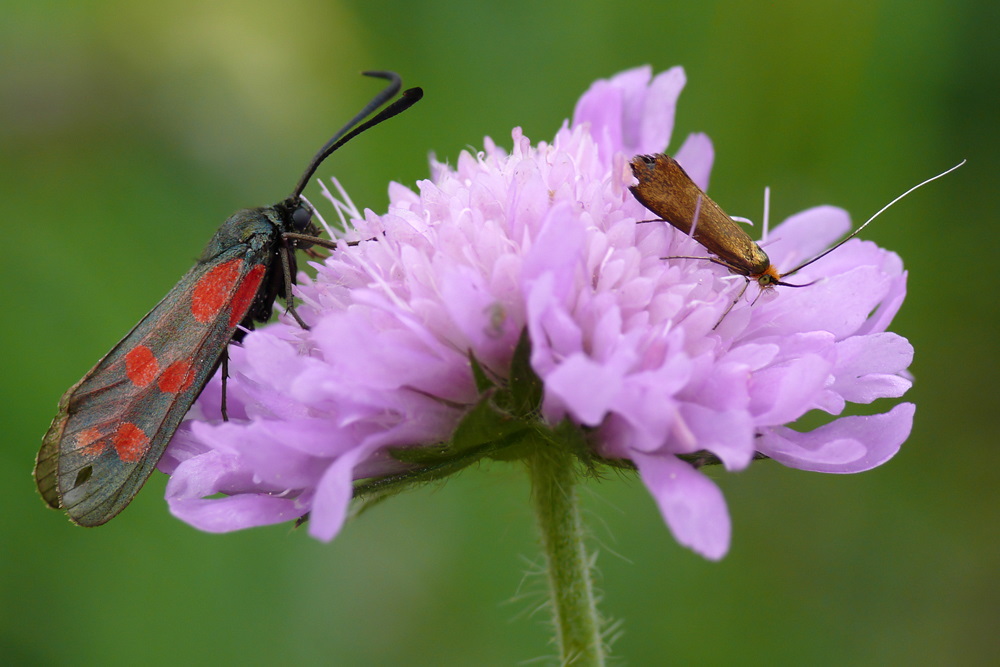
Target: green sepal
column 524, row 386
column 483, row 431
column 499, row 426
column 479, row 376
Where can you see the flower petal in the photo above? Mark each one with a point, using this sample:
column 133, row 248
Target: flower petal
column 628, row 114
column 696, row 155
column 214, row 472
column 847, row 445
column 870, row 367
column 691, row 504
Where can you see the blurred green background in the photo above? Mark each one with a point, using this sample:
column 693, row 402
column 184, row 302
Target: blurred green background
column 131, row 130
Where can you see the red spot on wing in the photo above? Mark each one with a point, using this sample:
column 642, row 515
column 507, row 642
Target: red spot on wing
column 177, row 377
column 213, row 289
column 130, row 442
column 141, row 365
column 245, row 294
column 90, row 442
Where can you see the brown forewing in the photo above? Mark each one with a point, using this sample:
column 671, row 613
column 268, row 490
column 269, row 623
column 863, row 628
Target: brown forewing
column 666, row 190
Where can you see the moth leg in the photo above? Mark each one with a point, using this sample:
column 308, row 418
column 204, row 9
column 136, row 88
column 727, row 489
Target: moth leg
column 225, row 378
column 314, row 240
column 733, row 304
column 287, row 247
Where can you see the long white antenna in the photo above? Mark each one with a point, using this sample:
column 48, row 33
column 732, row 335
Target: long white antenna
column 869, row 220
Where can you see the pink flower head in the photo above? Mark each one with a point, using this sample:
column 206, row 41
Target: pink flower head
column 410, row 325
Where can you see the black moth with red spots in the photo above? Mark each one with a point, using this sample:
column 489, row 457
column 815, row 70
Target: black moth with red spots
column 114, row 424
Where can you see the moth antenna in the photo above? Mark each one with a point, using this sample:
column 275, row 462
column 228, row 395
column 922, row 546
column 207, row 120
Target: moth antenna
column 868, row 221
column 345, row 134
column 794, row 285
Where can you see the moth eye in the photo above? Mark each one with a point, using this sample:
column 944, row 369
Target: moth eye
column 301, row 218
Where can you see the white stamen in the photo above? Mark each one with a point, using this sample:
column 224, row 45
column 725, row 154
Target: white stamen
column 342, row 204
column 767, row 213
column 697, row 214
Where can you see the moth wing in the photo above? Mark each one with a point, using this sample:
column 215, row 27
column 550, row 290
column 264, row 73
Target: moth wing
column 113, row 425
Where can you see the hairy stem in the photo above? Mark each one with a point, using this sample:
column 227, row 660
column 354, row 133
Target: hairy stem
column 571, row 590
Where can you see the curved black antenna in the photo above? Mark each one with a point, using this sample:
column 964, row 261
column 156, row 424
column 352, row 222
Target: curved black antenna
column 803, row 284
column 345, row 134
column 867, row 222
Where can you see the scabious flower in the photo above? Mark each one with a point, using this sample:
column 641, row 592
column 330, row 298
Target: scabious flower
column 542, row 251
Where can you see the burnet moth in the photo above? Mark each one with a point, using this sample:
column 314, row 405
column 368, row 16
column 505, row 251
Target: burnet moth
column 666, row 190
column 113, row 425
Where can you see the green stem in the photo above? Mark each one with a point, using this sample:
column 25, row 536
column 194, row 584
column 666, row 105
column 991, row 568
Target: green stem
column 571, row 591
